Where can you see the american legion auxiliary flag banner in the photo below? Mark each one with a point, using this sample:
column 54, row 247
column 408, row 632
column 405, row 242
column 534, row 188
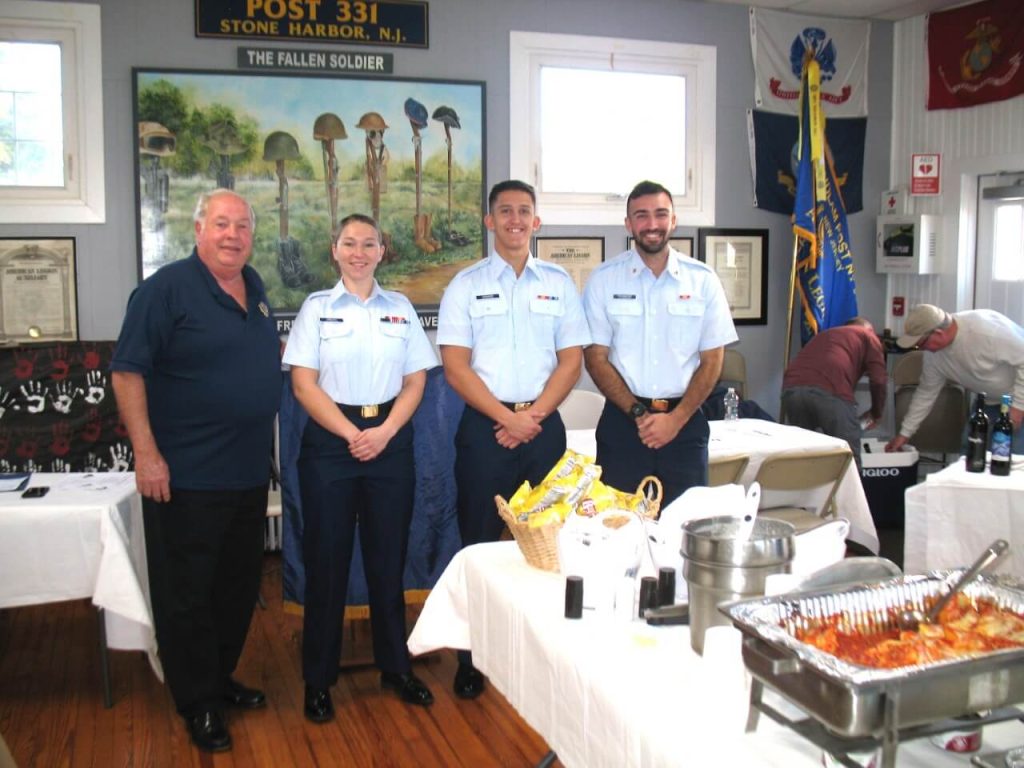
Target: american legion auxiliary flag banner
column 824, row 264
column 976, row 54
column 781, row 41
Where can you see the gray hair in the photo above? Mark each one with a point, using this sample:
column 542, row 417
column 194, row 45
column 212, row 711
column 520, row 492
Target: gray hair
column 203, row 203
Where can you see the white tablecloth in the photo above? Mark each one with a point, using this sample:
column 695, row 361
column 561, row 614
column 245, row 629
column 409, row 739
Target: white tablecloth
column 760, row 439
column 603, row 692
column 83, row 539
column 955, row 514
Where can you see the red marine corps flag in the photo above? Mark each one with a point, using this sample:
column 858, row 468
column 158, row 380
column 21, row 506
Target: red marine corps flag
column 976, row 54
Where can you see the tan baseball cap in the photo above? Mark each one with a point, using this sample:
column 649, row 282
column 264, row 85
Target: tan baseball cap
column 922, row 320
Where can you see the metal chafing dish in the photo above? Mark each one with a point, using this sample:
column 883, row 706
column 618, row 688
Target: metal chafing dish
column 875, row 705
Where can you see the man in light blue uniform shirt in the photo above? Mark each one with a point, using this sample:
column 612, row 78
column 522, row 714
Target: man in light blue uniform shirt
column 511, row 331
column 660, row 322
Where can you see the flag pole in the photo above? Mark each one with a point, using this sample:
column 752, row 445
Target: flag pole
column 789, row 314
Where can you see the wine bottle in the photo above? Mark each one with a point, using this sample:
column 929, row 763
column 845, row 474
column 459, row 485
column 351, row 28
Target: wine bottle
column 1002, row 440
column 977, row 436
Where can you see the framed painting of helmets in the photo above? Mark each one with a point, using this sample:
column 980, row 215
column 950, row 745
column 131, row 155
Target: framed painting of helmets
column 305, row 151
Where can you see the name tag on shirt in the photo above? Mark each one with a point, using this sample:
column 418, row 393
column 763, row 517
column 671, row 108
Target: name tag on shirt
column 483, row 296
column 623, row 295
column 332, row 320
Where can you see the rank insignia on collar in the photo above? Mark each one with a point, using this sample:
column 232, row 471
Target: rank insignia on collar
column 264, row 309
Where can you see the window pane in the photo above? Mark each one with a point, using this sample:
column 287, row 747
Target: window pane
column 1008, row 243
column 583, row 151
column 31, row 120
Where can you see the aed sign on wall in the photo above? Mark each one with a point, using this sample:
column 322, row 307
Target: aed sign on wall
column 399, row 22
column 924, row 174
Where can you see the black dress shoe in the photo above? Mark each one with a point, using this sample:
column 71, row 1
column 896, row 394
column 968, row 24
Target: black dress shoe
column 469, row 683
column 208, row 731
column 409, row 687
column 237, row 695
column 318, row 705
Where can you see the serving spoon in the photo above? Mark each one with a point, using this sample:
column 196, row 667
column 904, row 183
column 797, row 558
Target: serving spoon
column 910, row 619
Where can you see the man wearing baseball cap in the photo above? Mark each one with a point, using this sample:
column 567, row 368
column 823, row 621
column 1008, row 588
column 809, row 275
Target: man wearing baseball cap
column 980, row 349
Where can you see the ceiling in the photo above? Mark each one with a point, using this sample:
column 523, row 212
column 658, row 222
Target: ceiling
column 887, row 10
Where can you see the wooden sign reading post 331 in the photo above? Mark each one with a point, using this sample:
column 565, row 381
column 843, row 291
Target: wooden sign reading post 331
column 350, row 22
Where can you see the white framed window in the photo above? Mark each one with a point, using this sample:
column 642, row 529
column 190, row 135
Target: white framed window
column 1008, row 243
column 51, row 113
column 591, row 116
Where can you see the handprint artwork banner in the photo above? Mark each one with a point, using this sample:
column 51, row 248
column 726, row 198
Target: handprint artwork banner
column 57, row 410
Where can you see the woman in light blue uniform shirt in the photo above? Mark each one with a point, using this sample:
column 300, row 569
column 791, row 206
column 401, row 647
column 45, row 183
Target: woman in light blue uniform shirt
column 359, row 358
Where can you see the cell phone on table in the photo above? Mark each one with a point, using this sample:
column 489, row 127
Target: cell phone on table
column 36, row 493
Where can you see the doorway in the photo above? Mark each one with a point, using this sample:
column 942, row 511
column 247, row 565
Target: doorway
column 999, row 261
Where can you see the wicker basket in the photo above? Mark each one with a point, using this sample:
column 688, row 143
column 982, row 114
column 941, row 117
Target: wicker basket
column 539, row 545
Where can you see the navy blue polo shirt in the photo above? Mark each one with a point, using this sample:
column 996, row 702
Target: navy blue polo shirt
column 212, row 373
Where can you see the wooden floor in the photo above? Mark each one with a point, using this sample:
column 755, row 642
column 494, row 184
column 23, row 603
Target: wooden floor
column 52, row 714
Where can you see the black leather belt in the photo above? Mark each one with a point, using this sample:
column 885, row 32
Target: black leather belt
column 659, row 404
column 517, row 407
column 367, row 411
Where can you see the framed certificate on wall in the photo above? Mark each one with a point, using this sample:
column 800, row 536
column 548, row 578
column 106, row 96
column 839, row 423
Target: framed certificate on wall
column 740, row 259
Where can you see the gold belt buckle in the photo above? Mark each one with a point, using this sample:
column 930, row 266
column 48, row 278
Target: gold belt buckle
column 369, row 411
column 659, row 405
column 521, row 406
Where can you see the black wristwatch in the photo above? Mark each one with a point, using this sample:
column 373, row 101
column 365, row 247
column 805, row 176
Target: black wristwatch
column 637, row 409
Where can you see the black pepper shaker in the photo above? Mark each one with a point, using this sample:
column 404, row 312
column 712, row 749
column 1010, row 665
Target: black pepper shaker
column 573, row 597
column 666, row 585
column 648, row 595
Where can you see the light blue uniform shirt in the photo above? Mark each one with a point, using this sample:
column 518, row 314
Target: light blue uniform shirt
column 361, row 350
column 514, row 327
column 657, row 328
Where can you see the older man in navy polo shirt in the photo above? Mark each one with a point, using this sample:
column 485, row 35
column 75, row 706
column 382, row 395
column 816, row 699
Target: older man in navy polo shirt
column 197, row 377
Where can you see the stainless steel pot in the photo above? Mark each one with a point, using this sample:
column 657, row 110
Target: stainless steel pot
column 721, row 567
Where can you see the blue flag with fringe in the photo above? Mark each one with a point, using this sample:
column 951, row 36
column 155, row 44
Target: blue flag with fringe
column 824, row 263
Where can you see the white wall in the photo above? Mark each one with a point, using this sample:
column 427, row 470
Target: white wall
column 982, row 139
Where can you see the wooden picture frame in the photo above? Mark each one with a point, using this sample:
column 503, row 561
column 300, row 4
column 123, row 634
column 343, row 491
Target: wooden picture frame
column 740, row 259
column 579, row 256
column 38, row 290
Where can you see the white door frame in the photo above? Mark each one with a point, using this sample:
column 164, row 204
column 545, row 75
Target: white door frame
column 960, row 217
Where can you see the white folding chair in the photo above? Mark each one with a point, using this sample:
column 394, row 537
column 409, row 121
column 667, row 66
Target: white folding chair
column 581, row 409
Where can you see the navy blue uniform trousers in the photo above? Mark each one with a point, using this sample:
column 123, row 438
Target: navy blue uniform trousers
column 204, row 552
column 625, row 461
column 338, row 491
column 483, row 469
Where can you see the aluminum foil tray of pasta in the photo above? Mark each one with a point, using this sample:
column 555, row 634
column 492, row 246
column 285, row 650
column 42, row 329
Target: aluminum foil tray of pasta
column 840, row 655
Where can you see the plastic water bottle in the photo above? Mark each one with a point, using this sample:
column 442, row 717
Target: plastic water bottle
column 732, row 405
